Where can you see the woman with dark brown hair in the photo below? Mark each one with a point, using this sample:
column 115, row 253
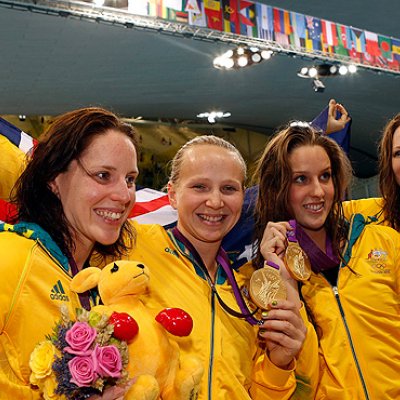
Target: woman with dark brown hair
column 387, row 208
column 73, row 198
column 352, row 290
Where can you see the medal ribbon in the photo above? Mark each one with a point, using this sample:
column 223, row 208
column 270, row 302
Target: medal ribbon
column 291, row 235
column 223, row 261
column 83, row 297
column 319, row 260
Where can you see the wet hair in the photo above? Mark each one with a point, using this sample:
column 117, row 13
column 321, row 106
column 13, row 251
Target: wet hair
column 388, row 185
column 176, row 162
column 65, row 140
column 274, row 176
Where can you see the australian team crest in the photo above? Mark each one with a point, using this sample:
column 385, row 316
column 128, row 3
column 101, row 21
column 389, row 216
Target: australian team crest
column 377, row 258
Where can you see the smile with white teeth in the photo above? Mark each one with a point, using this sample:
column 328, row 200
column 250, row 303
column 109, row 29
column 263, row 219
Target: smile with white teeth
column 211, row 218
column 110, row 215
column 314, row 207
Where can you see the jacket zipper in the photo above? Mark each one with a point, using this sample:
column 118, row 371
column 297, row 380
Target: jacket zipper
column 210, row 368
column 44, row 248
column 336, row 293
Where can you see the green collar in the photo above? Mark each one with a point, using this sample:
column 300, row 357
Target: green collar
column 357, row 225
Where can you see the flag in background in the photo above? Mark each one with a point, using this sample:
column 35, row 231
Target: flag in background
column 152, row 206
column 396, row 49
column 299, row 29
column 231, row 16
column 358, row 39
column 314, row 30
column 192, row 6
column 138, row 7
column 265, row 21
column 371, row 44
column 385, row 45
column 16, row 136
column 282, row 27
column 341, row 47
column 213, row 12
column 341, row 137
column 198, row 18
column 247, row 18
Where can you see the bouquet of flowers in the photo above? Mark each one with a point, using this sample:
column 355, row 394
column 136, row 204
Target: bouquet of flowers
column 79, row 358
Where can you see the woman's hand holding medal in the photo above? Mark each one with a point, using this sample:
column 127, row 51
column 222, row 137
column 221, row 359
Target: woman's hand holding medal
column 283, row 329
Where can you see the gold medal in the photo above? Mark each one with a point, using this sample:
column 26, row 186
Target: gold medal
column 297, row 262
column 266, row 285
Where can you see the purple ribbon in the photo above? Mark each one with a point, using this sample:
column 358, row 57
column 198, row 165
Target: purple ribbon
column 83, row 297
column 223, row 260
column 291, row 235
column 272, row 264
column 320, row 261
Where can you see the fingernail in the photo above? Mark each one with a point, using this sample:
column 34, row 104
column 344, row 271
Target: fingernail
column 264, row 315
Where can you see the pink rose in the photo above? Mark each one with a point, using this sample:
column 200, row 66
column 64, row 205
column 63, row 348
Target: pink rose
column 80, row 337
column 83, row 370
column 108, row 360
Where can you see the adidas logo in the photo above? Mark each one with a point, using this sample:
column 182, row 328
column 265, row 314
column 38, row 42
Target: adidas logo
column 57, row 293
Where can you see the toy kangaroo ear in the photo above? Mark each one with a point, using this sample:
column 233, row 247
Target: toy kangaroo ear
column 86, row 279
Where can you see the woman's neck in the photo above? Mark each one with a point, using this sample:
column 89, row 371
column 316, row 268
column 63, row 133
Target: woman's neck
column 207, row 251
column 81, row 254
column 318, row 237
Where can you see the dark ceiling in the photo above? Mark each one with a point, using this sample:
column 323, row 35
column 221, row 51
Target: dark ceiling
column 50, row 64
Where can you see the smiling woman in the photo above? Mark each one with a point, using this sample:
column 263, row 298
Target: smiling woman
column 190, row 270
column 353, row 290
column 73, row 198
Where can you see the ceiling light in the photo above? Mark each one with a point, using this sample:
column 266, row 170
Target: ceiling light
column 242, row 61
column 303, row 73
column 312, row 72
column 352, row 69
column 228, row 54
column 214, row 115
column 228, row 63
column 324, row 70
column 333, row 69
column 266, row 54
column 99, row 2
column 343, row 70
column 256, row 57
column 241, row 57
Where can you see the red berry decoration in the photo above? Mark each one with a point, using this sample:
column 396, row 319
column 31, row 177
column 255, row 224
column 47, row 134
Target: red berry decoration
column 125, row 327
column 175, row 321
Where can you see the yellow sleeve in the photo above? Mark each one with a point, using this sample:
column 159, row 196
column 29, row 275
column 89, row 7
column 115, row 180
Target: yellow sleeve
column 298, row 383
column 12, row 163
column 367, row 207
column 307, row 368
column 11, row 271
column 271, row 382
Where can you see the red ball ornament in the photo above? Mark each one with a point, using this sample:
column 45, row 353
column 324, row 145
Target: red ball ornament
column 175, row 321
column 125, row 326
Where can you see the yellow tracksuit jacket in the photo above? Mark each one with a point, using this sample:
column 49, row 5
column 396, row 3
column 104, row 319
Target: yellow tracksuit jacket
column 12, row 163
column 358, row 319
column 235, row 368
column 34, row 284
column 371, row 207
